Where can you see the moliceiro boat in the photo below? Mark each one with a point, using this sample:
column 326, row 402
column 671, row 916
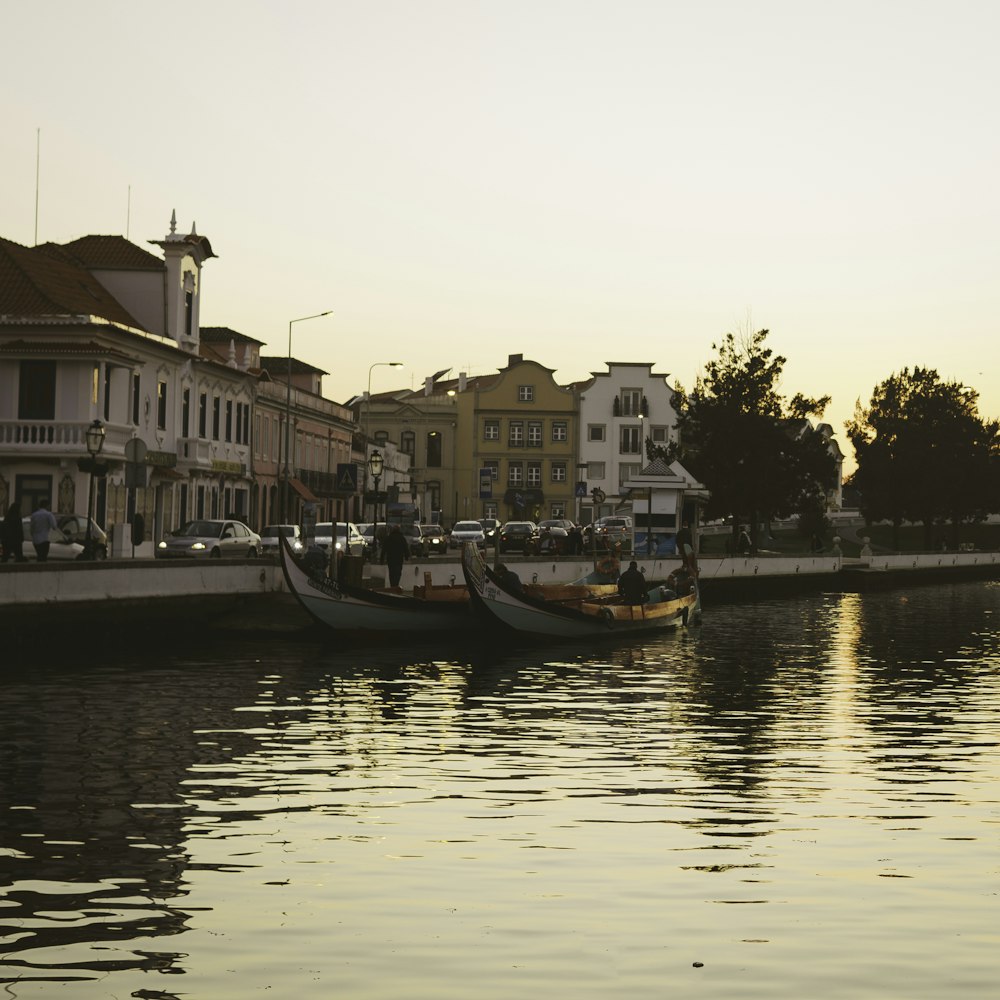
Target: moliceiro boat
column 582, row 614
column 347, row 608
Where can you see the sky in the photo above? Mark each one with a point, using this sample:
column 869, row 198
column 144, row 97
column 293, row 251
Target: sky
column 578, row 182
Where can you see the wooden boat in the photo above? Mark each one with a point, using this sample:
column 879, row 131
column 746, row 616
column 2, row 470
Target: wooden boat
column 579, row 615
column 347, row 608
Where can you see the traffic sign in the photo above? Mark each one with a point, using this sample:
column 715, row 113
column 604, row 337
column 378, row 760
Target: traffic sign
column 347, row 477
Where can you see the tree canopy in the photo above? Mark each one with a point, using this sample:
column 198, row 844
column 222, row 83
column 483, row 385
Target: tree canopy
column 923, row 452
column 758, row 455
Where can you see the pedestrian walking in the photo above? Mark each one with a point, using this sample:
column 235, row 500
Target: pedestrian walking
column 396, row 552
column 42, row 522
column 13, row 534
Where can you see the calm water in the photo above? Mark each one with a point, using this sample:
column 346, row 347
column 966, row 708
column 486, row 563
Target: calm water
column 798, row 799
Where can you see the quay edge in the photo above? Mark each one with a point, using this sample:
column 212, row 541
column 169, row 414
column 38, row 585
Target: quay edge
column 126, row 597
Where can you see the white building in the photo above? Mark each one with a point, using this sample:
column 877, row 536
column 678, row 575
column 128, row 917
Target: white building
column 102, row 330
column 619, row 409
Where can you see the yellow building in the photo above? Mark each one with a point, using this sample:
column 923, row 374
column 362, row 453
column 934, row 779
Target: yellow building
column 516, row 445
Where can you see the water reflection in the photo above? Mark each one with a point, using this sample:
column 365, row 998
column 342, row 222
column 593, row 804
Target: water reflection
column 157, row 815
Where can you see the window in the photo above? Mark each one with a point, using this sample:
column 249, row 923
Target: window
column 627, row 471
column 490, row 509
column 559, row 430
column 434, row 450
column 381, row 437
column 229, row 420
column 37, row 391
column 256, row 435
column 161, row 406
column 525, row 393
column 189, row 313
column 186, row 413
column 516, row 434
column 595, row 470
column 408, row 443
column 558, row 511
column 660, row 435
column 558, row 472
column 136, row 392
column 631, row 401
column 491, row 430
column 534, row 434
column 515, row 474
column 202, row 417
column 434, row 494
column 216, row 417
column 494, row 467
column 631, row 440
column 535, row 474
column 595, row 432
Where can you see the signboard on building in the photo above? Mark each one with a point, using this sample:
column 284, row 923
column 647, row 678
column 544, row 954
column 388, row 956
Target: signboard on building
column 485, row 484
column 233, row 468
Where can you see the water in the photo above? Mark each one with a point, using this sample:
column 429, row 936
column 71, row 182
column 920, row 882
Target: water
column 797, row 799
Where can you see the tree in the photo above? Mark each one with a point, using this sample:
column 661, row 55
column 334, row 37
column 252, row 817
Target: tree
column 757, row 454
column 924, row 454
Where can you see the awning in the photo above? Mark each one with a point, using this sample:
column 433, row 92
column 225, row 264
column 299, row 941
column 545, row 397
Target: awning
column 523, row 498
column 302, row 490
column 165, row 473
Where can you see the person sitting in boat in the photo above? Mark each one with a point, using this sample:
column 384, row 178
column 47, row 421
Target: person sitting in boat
column 509, row 580
column 632, row 585
column 678, row 584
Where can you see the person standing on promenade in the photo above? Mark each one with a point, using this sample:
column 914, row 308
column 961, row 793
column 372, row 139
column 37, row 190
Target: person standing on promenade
column 42, row 522
column 685, row 548
column 396, row 551
column 13, row 534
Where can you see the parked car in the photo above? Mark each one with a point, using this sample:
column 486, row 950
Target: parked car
column 490, row 528
column 60, row 545
column 210, row 538
column 349, row 539
column 519, row 536
column 467, row 531
column 609, row 530
column 554, row 535
column 74, row 527
column 435, row 539
column 269, row 538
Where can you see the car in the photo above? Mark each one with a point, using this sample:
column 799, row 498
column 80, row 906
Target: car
column 269, row 538
column 610, row 530
column 435, row 539
column 490, row 528
column 414, row 536
column 74, row 527
column 349, row 539
column 210, row 538
column 519, row 536
column 466, row 531
column 61, row 546
column 555, row 534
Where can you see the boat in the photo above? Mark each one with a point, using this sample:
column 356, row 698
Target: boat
column 585, row 614
column 348, row 608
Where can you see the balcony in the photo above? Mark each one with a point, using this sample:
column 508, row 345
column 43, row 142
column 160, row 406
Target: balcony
column 57, row 439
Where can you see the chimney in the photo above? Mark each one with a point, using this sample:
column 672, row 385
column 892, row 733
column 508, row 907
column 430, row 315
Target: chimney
column 463, row 381
column 428, row 385
column 514, row 359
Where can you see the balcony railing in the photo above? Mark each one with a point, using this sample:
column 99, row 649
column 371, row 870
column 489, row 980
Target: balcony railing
column 58, row 437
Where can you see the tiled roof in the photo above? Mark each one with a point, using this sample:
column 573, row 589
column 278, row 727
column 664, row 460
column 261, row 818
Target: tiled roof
column 108, row 252
column 42, row 283
column 278, row 367
column 222, row 335
column 60, row 348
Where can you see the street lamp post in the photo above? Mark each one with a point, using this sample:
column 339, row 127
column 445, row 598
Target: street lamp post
column 288, row 412
column 368, row 402
column 95, row 442
column 375, row 465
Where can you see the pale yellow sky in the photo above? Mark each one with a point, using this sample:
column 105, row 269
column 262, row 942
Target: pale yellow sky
column 579, row 182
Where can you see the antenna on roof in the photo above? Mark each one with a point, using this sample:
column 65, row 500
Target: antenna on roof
column 38, row 157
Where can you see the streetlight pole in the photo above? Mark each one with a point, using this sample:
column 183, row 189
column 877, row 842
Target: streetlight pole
column 288, row 412
column 95, row 442
column 368, row 406
column 375, row 466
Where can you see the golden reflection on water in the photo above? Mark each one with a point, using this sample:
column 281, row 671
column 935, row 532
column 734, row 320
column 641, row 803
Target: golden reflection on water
column 799, row 796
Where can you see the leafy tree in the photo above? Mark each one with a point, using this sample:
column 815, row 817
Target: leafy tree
column 757, row 454
column 924, row 454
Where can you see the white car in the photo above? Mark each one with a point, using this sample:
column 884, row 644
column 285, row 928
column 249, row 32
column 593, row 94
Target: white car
column 269, row 538
column 467, row 531
column 215, row 539
column 60, row 545
column 349, row 539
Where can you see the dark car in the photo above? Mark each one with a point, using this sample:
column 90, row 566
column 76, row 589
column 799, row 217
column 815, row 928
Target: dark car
column 74, row 527
column 435, row 539
column 519, row 536
column 554, row 535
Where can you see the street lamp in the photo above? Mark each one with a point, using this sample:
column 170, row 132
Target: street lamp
column 288, row 412
column 95, row 442
column 368, row 399
column 375, row 465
